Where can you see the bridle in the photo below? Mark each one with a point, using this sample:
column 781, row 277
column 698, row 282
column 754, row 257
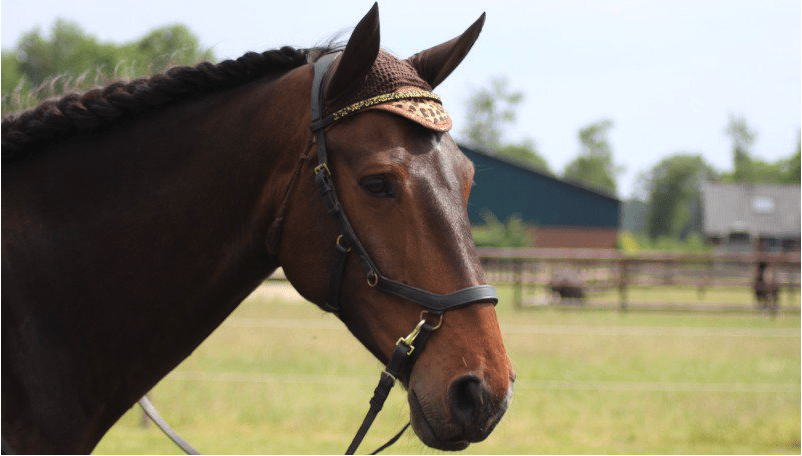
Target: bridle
column 407, row 348
column 348, row 242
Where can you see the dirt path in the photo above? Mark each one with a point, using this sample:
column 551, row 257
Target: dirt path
column 277, row 289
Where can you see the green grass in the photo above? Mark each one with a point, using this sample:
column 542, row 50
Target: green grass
column 588, row 382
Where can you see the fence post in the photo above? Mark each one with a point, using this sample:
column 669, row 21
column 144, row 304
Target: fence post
column 622, row 284
column 517, row 267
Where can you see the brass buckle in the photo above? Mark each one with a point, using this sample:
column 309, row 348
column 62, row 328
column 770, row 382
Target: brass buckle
column 321, row 167
column 410, row 338
column 407, row 341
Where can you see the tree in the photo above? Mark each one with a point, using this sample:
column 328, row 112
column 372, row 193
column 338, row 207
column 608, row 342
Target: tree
column 789, row 169
column 169, row 45
column 491, row 111
column 525, row 152
column 742, row 139
column 751, row 170
column 494, row 233
column 11, row 74
column 72, row 55
column 69, row 52
column 674, row 195
column 594, row 166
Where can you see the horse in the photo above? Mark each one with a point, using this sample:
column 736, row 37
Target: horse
column 137, row 216
column 766, row 289
column 567, row 284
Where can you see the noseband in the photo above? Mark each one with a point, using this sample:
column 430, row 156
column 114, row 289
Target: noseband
column 348, row 242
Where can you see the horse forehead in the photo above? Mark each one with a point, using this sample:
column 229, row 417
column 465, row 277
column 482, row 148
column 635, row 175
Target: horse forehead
column 446, row 162
column 428, row 157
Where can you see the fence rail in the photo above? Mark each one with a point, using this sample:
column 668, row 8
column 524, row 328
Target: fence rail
column 607, row 270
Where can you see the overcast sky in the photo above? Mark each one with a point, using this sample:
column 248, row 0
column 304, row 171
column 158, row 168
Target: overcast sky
column 668, row 73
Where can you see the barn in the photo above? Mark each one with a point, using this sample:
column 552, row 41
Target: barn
column 561, row 213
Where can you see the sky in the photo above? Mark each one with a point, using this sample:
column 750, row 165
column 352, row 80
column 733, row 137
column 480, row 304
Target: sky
column 667, row 73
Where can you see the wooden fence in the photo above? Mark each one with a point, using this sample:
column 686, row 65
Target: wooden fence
column 601, row 271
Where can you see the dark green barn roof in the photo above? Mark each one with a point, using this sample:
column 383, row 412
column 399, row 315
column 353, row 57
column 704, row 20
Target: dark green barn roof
column 506, row 188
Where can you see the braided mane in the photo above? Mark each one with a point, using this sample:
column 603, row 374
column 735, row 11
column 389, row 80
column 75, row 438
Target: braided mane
column 26, row 133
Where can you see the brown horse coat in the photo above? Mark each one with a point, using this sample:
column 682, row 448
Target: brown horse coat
column 137, row 217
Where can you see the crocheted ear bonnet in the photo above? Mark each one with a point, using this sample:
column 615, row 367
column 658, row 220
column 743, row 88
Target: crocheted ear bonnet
column 394, row 86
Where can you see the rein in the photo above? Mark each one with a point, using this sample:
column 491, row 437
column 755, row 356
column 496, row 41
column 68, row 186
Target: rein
column 408, row 348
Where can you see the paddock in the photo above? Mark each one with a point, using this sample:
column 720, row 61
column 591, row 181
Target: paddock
column 280, row 376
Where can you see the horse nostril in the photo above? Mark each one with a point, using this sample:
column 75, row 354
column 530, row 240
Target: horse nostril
column 466, row 398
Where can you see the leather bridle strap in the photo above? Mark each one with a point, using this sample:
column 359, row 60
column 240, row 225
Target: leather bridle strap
column 404, row 353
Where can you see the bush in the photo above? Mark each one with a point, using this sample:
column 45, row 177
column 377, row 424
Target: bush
column 512, row 233
column 694, row 242
column 627, row 243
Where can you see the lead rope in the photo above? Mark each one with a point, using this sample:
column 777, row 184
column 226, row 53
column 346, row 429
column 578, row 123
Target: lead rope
column 151, row 412
column 404, row 355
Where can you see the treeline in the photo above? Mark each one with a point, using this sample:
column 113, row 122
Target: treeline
column 668, row 213
column 673, row 187
column 494, row 108
column 68, row 59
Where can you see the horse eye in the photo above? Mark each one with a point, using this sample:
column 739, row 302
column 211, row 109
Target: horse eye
column 377, row 186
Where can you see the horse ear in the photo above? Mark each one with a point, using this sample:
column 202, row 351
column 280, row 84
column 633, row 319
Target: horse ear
column 357, row 58
column 435, row 64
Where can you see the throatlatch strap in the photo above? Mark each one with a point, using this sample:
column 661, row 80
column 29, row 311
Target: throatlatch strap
column 337, row 270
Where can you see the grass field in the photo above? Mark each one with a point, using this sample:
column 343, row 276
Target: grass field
column 280, row 376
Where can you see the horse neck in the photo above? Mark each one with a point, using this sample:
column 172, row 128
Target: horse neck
column 156, row 228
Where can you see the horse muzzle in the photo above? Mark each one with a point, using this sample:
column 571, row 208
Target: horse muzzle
column 469, row 411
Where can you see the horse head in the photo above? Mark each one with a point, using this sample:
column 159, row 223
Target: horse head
column 403, row 185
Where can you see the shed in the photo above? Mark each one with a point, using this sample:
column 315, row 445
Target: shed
column 562, row 213
column 749, row 217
